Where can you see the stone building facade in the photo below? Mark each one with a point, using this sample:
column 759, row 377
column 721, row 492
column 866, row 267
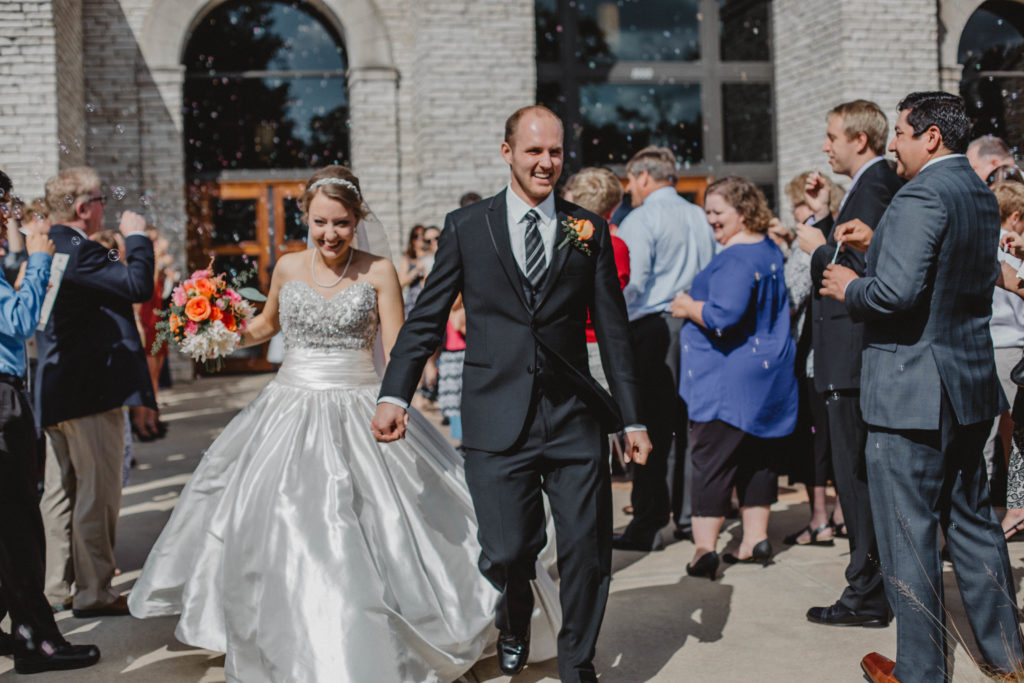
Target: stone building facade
column 429, row 85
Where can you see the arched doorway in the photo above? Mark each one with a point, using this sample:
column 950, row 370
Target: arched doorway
column 991, row 51
column 265, row 101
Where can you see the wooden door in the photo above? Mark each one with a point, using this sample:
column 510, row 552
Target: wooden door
column 244, row 226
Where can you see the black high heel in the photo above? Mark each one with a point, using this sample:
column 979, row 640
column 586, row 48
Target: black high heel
column 762, row 554
column 707, row 566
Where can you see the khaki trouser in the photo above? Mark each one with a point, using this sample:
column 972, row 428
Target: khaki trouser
column 80, row 505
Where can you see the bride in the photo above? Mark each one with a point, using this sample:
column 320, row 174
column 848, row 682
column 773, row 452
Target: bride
column 301, row 547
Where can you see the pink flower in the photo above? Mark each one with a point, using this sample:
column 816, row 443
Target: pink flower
column 199, row 274
column 233, row 296
column 221, row 303
column 178, row 296
column 191, row 327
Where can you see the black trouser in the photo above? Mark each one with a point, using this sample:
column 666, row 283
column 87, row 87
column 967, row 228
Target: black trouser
column 656, row 350
column 22, row 545
column 865, row 592
column 724, row 458
column 558, row 453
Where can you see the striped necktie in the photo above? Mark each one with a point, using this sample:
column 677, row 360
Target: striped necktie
column 536, row 262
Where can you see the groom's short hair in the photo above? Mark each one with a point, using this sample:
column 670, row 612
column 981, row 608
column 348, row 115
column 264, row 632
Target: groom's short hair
column 512, row 122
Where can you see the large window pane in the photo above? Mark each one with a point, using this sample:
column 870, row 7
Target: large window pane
column 234, row 221
column 549, row 30
column 637, row 30
column 619, row 120
column 747, row 121
column 264, row 89
column 743, row 30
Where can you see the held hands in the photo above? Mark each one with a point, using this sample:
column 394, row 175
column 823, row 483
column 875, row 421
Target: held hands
column 855, row 234
column 817, row 195
column 638, row 447
column 389, row 422
column 834, row 281
column 131, row 223
column 809, row 237
column 37, row 242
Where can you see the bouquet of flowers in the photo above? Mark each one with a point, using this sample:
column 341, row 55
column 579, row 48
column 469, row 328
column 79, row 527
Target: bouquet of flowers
column 206, row 317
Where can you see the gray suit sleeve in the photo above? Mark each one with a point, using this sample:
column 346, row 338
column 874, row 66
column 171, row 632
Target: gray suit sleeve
column 913, row 229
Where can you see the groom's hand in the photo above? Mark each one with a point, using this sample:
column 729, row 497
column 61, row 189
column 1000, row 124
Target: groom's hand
column 389, row 422
column 638, row 447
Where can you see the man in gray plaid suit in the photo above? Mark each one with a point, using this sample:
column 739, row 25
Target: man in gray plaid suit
column 929, row 393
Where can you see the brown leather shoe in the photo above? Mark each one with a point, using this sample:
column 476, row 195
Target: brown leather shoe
column 118, row 608
column 878, row 668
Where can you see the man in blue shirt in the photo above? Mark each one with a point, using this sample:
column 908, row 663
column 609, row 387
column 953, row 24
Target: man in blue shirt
column 669, row 242
column 36, row 642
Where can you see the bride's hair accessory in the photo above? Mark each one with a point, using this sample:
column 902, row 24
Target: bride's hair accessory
column 336, row 181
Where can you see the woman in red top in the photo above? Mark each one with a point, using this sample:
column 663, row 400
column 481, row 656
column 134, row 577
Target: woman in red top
column 599, row 191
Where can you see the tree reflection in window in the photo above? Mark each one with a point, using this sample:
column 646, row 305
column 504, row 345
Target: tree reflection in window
column 264, row 89
column 991, row 50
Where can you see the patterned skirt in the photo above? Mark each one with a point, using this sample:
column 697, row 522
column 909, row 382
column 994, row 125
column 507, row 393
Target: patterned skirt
column 449, row 382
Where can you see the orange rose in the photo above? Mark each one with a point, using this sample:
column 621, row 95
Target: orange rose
column 229, row 321
column 204, row 287
column 584, row 229
column 216, row 314
column 174, row 322
column 198, row 308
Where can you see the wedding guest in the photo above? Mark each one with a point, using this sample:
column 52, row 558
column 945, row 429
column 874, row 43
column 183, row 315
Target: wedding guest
column 599, row 190
column 469, row 198
column 929, row 394
column 1007, row 328
column 428, row 387
column 35, row 640
column 810, row 462
column 669, row 242
column 992, row 159
column 146, row 422
column 87, row 372
column 736, row 374
column 449, row 369
column 855, row 142
column 410, row 273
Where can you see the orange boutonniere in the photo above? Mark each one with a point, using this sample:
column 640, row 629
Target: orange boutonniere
column 578, row 232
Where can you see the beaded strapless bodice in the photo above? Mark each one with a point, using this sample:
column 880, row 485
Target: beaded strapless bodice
column 347, row 320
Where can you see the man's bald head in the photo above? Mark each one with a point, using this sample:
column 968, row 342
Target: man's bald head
column 535, row 110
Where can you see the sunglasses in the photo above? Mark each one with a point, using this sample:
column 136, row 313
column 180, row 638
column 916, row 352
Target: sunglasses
column 430, row 240
column 102, row 199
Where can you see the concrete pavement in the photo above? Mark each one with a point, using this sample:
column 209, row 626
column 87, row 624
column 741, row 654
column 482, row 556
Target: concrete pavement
column 661, row 625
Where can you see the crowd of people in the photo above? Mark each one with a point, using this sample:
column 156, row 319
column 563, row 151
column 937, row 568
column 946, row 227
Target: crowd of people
column 869, row 343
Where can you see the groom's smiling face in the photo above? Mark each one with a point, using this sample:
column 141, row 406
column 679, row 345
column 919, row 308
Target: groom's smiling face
column 535, row 155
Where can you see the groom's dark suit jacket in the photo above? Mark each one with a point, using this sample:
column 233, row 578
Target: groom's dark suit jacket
column 90, row 355
column 514, row 339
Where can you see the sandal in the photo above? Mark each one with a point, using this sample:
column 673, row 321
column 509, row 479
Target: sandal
column 1012, row 531
column 838, row 530
column 792, row 538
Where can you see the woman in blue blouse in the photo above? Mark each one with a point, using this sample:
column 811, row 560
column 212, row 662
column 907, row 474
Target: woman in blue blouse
column 736, row 373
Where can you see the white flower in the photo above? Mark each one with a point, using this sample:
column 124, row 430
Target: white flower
column 216, row 341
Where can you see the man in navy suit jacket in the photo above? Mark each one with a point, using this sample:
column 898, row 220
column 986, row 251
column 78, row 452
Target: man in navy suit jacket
column 91, row 364
column 929, row 392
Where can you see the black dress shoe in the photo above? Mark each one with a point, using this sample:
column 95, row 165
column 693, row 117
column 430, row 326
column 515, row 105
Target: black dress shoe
column 513, row 651
column 682, row 533
column 50, row 656
column 840, row 615
column 626, row 542
column 761, row 554
column 118, row 608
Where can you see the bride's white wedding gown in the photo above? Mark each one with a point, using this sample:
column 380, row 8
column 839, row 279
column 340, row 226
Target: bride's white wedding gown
column 308, row 552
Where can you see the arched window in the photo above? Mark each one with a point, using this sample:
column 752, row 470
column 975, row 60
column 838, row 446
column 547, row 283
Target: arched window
column 991, row 51
column 264, row 89
column 692, row 75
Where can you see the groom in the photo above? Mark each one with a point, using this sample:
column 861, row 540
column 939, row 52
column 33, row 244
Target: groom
column 533, row 419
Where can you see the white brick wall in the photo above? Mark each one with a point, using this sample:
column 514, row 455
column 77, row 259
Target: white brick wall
column 28, row 103
column 831, row 51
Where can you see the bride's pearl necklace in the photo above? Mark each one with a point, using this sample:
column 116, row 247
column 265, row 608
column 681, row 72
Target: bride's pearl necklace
column 312, row 269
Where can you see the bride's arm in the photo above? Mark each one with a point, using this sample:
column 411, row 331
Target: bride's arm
column 389, row 303
column 265, row 325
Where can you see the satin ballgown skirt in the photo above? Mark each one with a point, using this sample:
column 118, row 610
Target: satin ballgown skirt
column 306, row 551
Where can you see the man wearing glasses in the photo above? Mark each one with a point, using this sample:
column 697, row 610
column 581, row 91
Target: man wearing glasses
column 91, row 364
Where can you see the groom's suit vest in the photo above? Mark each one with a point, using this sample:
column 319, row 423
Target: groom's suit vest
column 518, row 339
